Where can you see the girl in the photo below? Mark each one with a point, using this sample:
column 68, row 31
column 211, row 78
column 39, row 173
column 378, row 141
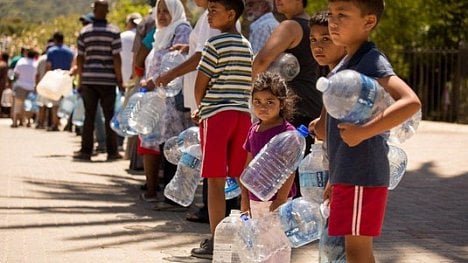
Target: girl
column 172, row 28
column 272, row 104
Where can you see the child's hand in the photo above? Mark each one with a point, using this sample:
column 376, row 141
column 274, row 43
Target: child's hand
column 195, row 116
column 245, row 205
column 352, row 134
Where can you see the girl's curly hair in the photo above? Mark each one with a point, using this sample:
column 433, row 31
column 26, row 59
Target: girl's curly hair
column 274, row 83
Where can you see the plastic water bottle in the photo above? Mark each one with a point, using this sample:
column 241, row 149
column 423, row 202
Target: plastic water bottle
column 313, row 174
column 260, row 238
column 147, row 112
column 127, row 111
column 351, row 97
column 151, row 140
column 181, row 189
column 398, row 160
column 331, row 248
column 115, row 123
column 67, row 105
column 30, row 103
column 287, row 65
column 55, row 84
column 275, row 162
column 172, row 152
column 405, row 130
column 231, row 188
column 169, row 61
column 79, row 113
column 224, row 250
column 301, row 221
column 119, row 100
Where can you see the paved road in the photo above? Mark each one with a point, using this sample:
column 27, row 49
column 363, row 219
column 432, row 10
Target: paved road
column 55, row 210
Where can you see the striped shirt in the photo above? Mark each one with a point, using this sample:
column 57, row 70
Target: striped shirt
column 227, row 60
column 97, row 43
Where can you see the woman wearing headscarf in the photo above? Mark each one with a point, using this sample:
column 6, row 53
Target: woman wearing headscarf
column 172, row 28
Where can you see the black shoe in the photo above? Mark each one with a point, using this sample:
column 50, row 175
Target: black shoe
column 82, row 157
column 114, row 157
column 205, row 250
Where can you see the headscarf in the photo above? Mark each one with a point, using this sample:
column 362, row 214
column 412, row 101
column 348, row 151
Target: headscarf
column 164, row 35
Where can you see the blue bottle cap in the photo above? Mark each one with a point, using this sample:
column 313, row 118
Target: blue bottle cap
column 303, row 130
column 143, row 90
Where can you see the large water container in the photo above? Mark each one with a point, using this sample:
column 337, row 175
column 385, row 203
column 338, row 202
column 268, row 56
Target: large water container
column 55, row 84
column 79, row 113
column 181, row 189
column 287, row 65
column 169, row 61
column 174, row 146
column 67, row 105
column 313, row 174
column 172, row 152
column 301, row 221
column 231, row 188
column 275, row 162
column 147, row 112
column 224, row 250
column 127, row 111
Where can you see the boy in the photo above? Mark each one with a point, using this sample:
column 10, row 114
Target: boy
column 359, row 169
column 222, row 92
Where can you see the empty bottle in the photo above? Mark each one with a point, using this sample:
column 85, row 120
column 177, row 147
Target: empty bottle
column 67, row 105
column 275, row 162
column 231, row 188
column 188, row 137
column 147, row 112
column 351, row 97
column 169, row 61
column 405, row 130
column 260, row 238
column 313, row 174
column 397, row 160
column 79, row 113
column 30, row 103
column 115, row 123
column 127, row 111
column 172, row 152
column 150, row 140
column 301, row 221
column 224, row 250
column 287, row 65
column 181, row 189
column 331, row 248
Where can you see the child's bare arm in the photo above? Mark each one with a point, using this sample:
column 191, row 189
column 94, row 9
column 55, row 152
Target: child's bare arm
column 201, row 84
column 245, row 200
column 406, row 104
column 283, row 192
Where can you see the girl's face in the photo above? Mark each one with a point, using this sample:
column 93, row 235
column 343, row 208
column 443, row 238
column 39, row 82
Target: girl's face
column 163, row 15
column 266, row 106
column 324, row 51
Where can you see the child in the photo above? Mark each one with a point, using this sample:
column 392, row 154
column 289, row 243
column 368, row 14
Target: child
column 272, row 105
column 222, row 92
column 359, row 170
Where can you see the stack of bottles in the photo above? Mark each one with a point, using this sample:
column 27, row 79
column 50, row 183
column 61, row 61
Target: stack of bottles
column 275, row 162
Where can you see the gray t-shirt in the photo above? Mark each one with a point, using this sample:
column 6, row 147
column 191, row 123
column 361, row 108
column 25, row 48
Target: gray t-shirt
column 365, row 164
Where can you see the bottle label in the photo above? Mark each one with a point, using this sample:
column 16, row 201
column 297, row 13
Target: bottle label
column 190, row 161
column 362, row 110
column 313, row 179
column 231, row 185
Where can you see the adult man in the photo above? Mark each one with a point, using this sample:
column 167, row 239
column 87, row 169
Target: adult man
column 59, row 56
column 99, row 69
column 127, row 37
column 258, row 12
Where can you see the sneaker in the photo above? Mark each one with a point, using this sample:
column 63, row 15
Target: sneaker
column 114, row 157
column 205, row 250
column 82, row 157
column 165, row 206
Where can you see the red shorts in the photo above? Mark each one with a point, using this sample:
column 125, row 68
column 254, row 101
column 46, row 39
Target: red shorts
column 357, row 210
column 145, row 151
column 222, row 136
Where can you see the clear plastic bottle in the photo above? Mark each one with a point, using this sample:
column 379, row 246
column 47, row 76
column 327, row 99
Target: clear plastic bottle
column 150, row 140
column 313, row 174
column 224, row 250
column 275, row 162
column 147, row 112
column 301, row 221
column 67, row 105
column 181, row 189
column 172, row 152
column 174, row 146
column 30, row 103
column 397, row 160
column 115, row 123
column 287, row 65
column 231, row 188
column 78, row 113
column 169, row 61
column 127, row 111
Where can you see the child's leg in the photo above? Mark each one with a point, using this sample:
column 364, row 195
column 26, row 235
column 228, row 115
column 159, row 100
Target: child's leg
column 359, row 249
column 216, row 201
column 151, row 166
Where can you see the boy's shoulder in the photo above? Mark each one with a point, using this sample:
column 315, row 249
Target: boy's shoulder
column 370, row 61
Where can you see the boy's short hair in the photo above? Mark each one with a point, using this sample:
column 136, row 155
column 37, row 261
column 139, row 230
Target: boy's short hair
column 236, row 5
column 367, row 7
column 320, row 18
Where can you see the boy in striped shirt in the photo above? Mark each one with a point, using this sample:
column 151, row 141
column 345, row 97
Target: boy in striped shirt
column 222, row 92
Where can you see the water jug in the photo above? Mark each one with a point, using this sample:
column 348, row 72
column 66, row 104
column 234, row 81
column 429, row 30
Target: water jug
column 147, row 112
column 55, row 84
column 287, row 65
column 313, row 174
column 67, row 105
column 224, row 250
column 275, row 162
column 169, row 61
column 127, row 111
column 231, row 188
column 188, row 137
column 171, row 150
column 151, row 140
column 79, row 113
column 181, row 189
column 301, row 221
